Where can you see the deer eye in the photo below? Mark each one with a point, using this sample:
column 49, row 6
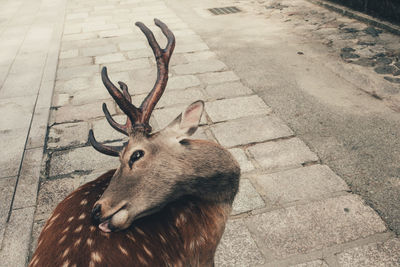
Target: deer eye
column 135, row 156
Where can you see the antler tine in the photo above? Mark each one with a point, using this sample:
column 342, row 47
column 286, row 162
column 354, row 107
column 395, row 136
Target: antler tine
column 126, row 128
column 123, row 102
column 108, row 150
column 162, row 58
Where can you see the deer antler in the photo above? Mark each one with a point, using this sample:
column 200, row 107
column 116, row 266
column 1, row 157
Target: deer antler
column 137, row 117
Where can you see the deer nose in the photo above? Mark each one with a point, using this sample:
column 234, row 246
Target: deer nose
column 96, row 213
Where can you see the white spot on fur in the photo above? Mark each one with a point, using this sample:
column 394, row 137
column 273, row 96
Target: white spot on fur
column 148, row 252
column 77, row 242
column 70, row 219
column 89, row 242
column 143, row 261
column 124, row 251
column 130, row 236
column 54, row 217
column 65, row 253
column 86, row 193
column 163, row 239
column 34, row 261
column 92, row 228
column 62, row 239
column 83, row 216
column 78, row 229
column 95, row 256
column 65, row 230
column 140, row 231
column 66, row 263
column 84, row 202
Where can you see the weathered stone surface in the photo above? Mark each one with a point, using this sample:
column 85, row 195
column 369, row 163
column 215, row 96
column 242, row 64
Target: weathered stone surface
column 377, row 254
column 38, row 129
column 165, row 116
column 104, row 132
column 282, row 154
column 68, row 134
column 17, row 85
column 191, row 47
column 199, row 67
column 69, row 53
column 237, row 247
column 226, row 90
column 316, row 263
column 247, row 198
column 244, row 162
column 80, row 159
column 51, row 193
column 83, row 112
column 72, row 85
column 90, row 95
column 98, row 50
column 240, row 132
column 7, row 186
column 234, row 108
column 28, row 182
column 187, row 97
column 36, row 230
column 141, row 63
column 132, row 45
column 77, row 71
column 218, row 77
column 76, row 61
column 12, row 144
column 303, row 183
column 182, row 82
column 109, row 58
column 305, row 228
column 17, row 236
column 16, row 112
column 199, row 56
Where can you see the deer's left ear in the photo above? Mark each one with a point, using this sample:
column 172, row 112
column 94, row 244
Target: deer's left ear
column 188, row 121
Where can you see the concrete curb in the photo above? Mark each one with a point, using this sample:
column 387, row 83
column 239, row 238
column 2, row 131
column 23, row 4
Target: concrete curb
column 359, row 16
column 17, row 237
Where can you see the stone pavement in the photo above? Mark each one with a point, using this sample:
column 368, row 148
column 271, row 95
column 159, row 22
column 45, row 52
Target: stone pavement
column 290, row 210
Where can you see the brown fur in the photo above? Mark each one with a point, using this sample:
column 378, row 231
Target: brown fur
column 186, row 232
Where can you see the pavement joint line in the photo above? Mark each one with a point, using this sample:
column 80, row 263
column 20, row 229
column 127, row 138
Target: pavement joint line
column 26, row 142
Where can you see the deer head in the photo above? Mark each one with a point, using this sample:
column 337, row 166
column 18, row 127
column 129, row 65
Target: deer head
column 157, row 168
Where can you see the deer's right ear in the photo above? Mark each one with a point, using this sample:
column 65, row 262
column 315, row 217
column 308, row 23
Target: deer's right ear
column 188, row 121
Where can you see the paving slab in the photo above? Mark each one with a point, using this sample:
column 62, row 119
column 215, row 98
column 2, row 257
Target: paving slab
column 68, row 135
column 16, row 112
column 305, row 183
column 7, row 186
column 241, row 131
column 305, row 228
column 12, row 143
column 51, row 193
column 82, row 112
column 80, row 159
column 237, row 247
column 376, row 254
column 282, row 154
column 247, row 199
column 218, row 77
column 234, row 108
column 227, row 90
column 204, row 66
column 316, row 263
column 104, row 132
column 28, row 182
column 182, row 82
column 243, row 160
column 15, row 247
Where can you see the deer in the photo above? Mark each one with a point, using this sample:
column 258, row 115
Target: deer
column 167, row 203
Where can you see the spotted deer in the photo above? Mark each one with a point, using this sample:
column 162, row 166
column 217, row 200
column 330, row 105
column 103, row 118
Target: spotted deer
column 165, row 205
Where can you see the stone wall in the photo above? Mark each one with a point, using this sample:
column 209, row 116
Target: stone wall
column 386, row 9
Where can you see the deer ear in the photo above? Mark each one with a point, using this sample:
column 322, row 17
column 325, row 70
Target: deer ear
column 188, row 121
